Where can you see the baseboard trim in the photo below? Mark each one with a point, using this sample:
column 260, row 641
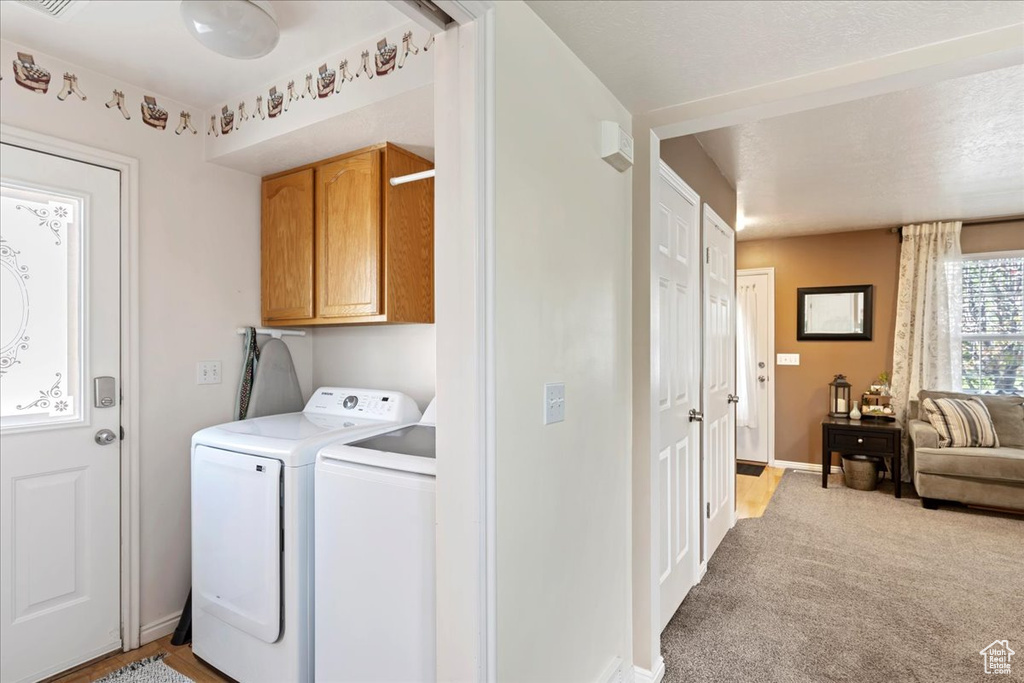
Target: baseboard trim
column 155, row 630
column 645, row 676
column 805, row 466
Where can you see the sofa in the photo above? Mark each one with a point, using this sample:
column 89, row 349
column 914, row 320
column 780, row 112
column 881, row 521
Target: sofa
column 992, row 477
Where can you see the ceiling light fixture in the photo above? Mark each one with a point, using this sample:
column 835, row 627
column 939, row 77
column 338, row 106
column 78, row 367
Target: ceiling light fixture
column 243, row 29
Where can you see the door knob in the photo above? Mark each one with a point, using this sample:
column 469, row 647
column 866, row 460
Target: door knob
column 762, row 379
column 105, row 437
column 733, row 399
column 696, row 415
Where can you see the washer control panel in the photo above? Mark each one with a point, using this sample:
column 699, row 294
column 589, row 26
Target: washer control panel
column 386, row 406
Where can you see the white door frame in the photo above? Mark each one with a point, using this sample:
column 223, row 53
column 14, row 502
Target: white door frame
column 130, row 539
column 464, row 295
column 770, row 363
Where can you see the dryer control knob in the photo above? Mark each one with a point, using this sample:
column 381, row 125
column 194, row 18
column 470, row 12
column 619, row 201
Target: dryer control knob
column 350, row 402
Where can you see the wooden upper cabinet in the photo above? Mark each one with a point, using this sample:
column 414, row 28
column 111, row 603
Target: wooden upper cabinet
column 349, row 237
column 409, row 239
column 286, row 247
column 370, row 245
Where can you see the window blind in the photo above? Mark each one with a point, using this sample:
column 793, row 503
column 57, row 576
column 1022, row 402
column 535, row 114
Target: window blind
column 993, row 324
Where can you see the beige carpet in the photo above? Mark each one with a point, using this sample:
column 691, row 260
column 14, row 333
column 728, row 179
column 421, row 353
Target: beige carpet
column 842, row 585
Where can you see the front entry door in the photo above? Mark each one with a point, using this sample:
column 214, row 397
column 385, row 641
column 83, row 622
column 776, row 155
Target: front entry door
column 719, row 378
column 676, row 261
column 754, row 365
column 59, row 438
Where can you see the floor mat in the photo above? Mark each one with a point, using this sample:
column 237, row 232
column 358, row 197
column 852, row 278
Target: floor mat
column 149, row 670
column 749, row 470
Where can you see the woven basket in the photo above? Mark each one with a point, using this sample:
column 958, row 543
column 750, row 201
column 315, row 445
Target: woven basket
column 861, row 472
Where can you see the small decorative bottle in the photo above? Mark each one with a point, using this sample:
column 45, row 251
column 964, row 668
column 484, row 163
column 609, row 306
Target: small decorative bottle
column 855, row 413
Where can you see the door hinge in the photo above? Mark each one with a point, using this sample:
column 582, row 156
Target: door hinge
column 709, row 511
column 707, row 254
column 122, row 433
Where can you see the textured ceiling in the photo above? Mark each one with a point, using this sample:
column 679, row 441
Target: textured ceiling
column 952, row 150
column 145, row 43
column 657, row 54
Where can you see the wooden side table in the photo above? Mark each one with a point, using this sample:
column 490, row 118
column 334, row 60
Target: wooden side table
column 864, row 437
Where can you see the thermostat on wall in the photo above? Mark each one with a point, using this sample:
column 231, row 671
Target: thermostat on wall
column 616, row 146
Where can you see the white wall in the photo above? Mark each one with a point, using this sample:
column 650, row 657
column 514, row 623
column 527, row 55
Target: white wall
column 199, row 279
column 394, row 357
column 562, row 314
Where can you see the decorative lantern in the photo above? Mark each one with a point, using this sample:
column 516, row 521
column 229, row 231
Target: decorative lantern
column 839, row 397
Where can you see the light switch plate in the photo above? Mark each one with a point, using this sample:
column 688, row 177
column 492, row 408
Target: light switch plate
column 208, row 372
column 787, row 359
column 554, row 403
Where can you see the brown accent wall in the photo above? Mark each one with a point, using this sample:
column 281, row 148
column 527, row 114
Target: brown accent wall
column 687, row 158
column 1005, row 236
column 801, row 391
column 847, row 258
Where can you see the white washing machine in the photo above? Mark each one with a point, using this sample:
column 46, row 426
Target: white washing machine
column 375, row 594
column 252, row 530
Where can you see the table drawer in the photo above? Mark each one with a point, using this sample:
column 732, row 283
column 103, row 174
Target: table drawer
column 860, row 442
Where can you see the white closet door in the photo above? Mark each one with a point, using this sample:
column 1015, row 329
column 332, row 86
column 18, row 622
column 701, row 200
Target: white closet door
column 60, row 445
column 676, row 261
column 719, row 379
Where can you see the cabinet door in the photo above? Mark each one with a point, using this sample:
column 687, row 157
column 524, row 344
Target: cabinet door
column 287, row 247
column 349, row 235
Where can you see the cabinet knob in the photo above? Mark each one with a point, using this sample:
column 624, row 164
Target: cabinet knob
column 860, row 440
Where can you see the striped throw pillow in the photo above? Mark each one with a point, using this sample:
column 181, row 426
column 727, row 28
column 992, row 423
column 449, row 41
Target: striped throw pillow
column 961, row 422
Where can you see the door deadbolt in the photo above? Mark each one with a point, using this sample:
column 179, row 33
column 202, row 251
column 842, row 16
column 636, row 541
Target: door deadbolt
column 104, row 390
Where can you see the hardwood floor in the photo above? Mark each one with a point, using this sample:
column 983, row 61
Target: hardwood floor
column 179, row 658
column 754, row 493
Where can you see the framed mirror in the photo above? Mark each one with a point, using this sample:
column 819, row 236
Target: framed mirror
column 834, row 313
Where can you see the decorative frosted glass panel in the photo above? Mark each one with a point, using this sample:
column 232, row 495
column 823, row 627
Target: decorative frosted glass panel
column 40, row 307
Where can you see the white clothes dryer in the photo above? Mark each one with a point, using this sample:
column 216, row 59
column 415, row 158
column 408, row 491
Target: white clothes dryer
column 375, row 593
column 252, row 530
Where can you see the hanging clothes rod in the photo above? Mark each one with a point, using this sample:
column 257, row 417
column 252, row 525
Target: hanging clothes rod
column 274, row 332
column 412, row 177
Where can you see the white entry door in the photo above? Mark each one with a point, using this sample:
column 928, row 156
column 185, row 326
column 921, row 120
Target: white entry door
column 719, row 379
column 60, row 329
column 676, row 256
column 755, row 328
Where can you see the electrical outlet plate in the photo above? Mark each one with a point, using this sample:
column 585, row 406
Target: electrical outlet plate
column 787, row 359
column 208, row 372
column 554, row 403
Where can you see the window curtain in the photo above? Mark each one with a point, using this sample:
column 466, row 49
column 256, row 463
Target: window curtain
column 927, row 348
column 746, row 357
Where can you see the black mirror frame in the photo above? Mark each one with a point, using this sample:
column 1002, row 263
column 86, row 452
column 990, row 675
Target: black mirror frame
column 869, row 313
